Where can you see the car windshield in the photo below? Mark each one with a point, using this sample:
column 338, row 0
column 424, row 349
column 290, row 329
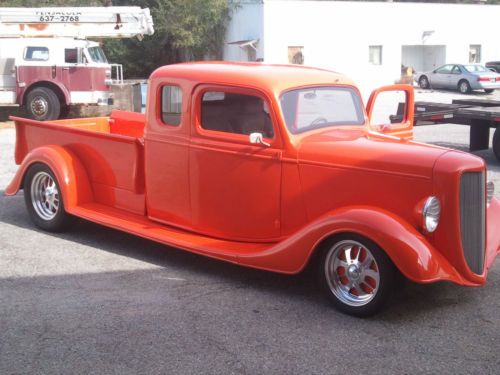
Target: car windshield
column 475, row 68
column 97, row 55
column 319, row 107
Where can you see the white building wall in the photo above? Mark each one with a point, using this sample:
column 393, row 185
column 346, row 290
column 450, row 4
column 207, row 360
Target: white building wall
column 336, row 35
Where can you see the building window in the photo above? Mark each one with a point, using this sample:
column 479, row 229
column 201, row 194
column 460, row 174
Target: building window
column 475, row 53
column 375, row 55
column 36, row 53
column 296, row 55
column 171, row 105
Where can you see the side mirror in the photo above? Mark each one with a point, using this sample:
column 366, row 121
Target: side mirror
column 391, row 110
column 258, row 139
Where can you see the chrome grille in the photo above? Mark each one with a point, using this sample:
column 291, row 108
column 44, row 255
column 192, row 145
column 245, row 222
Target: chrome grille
column 473, row 219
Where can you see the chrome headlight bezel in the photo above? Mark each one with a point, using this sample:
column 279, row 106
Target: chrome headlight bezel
column 431, row 214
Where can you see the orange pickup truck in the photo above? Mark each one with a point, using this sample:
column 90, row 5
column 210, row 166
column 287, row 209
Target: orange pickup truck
column 271, row 167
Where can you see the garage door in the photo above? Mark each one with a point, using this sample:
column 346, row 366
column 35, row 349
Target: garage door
column 423, row 57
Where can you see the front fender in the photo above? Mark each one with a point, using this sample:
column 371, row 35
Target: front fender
column 409, row 250
column 67, row 168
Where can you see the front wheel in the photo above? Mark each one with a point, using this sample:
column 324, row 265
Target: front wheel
column 464, row 87
column 356, row 275
column 43, row 199
column 43, row 104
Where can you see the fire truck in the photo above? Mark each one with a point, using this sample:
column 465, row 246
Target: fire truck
column 48, row 63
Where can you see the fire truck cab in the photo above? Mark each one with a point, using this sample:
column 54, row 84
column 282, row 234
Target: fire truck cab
column 48, row 65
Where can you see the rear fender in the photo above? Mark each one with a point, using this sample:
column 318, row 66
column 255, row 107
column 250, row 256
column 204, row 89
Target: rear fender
column 67, row 168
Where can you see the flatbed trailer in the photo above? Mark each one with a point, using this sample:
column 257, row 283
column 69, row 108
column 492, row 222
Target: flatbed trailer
column 479, row 114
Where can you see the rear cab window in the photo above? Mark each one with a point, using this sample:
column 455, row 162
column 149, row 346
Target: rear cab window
column 224, row 111
column 36, row 54
column 171, row 105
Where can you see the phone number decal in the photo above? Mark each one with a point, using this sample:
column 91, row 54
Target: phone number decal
column 59, row 16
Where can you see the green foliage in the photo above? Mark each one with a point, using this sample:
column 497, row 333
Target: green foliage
column 185, row 30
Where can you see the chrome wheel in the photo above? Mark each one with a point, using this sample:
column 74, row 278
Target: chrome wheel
column 352, row 273
column 39, row 106
column 44, row 196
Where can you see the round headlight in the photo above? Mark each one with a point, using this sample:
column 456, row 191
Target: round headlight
column 490, row 188
column 431, row 213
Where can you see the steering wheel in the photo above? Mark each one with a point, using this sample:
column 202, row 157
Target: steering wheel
column 318, row 120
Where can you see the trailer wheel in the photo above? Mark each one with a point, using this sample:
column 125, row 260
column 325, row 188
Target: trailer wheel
column 464, row 87
column 43, row 199
column 43, row 104
column 356, row 275
column 496, row 143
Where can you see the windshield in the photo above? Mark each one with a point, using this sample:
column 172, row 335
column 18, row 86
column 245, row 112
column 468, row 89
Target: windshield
column 319, row 107
column 475, row 68
column 97, row 55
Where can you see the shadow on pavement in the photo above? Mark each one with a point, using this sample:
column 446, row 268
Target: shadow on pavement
column 410, row 302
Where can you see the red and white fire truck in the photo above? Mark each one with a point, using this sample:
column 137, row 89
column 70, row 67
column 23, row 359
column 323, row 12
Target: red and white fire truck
column 47, row 63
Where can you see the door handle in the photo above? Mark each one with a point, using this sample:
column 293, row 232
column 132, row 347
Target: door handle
column 65, row 68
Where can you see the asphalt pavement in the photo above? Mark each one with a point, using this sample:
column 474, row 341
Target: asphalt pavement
column 98, row 301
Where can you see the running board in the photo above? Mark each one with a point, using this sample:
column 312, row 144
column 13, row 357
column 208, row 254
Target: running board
column 143, row 227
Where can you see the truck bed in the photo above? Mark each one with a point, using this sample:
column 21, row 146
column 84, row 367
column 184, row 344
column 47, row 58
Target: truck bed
column 110, row 148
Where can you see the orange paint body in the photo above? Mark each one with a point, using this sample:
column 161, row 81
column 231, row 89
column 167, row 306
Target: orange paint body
column 216, row 194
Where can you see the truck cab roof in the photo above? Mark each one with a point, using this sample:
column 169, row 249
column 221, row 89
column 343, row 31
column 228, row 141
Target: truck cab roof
column 267, row 77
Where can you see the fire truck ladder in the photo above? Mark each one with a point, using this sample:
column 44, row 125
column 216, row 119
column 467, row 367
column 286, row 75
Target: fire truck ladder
column 76, row 22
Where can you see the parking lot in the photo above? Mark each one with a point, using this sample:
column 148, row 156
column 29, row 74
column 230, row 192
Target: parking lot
column 95, row 300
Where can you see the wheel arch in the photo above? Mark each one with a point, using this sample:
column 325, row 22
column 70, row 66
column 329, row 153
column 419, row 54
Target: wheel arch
column 58, row 89
column 69, row 171
column 407, row 248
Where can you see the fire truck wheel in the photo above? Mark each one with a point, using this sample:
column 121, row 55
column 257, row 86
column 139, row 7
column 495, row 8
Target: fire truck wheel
column 43, row 104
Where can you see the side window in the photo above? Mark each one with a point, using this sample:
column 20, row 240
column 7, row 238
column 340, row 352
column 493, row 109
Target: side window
column 235, row 113
column 71, row 55
column 455, row 70
column 36, row 54
column 444, row 69
column 171, row 105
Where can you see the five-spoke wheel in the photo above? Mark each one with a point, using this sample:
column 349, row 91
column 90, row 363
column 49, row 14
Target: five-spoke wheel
column 356, row 274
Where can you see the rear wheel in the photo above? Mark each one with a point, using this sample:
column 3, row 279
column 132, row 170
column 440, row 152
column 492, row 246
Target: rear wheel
column 464, row 87
column 356, row 275
column 496, row 143
column 423, row 82
column 43, row 198
column 43, row 104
